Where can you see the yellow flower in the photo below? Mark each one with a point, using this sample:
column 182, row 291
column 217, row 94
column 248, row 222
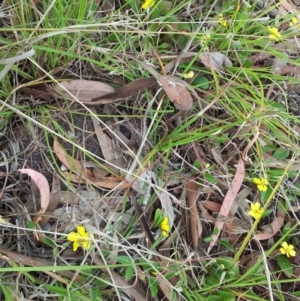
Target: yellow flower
column 261, row 184
column 165, row 227
column 294, row 21
column 80, row 238
column 222, row 21
column 148, row 3
column 204, row 38
column 274, row 34
column 287, row 250
column 256, row 210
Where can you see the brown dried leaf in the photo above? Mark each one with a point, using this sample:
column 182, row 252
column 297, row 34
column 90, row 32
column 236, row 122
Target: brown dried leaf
column 176, row 90
column 165, row 288
column 108, row 145
column 122, row 284
column 231, row 226
column 42, row 183
column 75, row 166
column 228, row 201
column 295, row 70
column 276, row 224
column 106, row 182
column 195, row 227
column 278, row 65
column 215, row 61
column 38, row 92
column 84, row 90
column 54, row 200
column 66, row 197
column 133, row 88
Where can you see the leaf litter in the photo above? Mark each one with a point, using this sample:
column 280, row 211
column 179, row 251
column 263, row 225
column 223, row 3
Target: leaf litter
column 110, row 177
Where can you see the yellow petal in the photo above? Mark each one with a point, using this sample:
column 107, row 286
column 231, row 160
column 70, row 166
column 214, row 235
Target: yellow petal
column 73, row 236
column 148, row 3
column 256, row 206
column 262, row 187
column 81, row 231
column 293, row 253
column 291, row 250
column 282, row 250
column 86, row 244
column 75, row 245
column 257, row 181
column 164, row 233
column 165, row 224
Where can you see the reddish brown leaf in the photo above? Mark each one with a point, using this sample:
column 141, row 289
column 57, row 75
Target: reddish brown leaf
column 70, row 163
column 107, row 182
column 195, row 228
column 276, row 224
column 228, row 201
column 176, row 90
column 38, row 92
column 43, row 186
column 215, row 61
column 54, row 200
column 133, row 88
column 83, row 90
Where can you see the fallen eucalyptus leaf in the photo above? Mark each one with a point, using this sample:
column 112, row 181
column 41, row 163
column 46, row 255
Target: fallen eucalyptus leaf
column 215, row 61
column 84, row 90
column 176, row 90
column 133, row 88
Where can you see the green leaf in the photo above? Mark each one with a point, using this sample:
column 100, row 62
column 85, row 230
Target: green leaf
column 31, row 225
column 158, row 218
column 201, row 82
column 296, row 294
column 172, row 295
column 149, row 266
column 134, row 5
column 269, row 147
column 169, row 275
column 267, row 213
column 163, row 46
column 124, row 259
column 7, row 293
column 153, row 286
column 55, row 252
column 209, row 238
column 285, row 265
column 287, row 227
column 129, row 272
column 278, row 106
column 281, row 154
column 214, row 297
column 227, row 245
column 49, row 242
column 94, row 293
column 164, row 7
column 226, row 295
column 226, row 263
column 264, row 195
column 209, row 178
column 257, row 270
